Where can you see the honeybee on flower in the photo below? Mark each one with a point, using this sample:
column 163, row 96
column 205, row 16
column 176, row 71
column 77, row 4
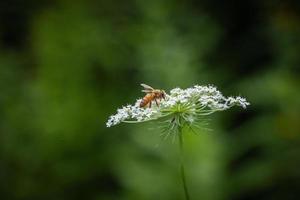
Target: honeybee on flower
column 186, row 104
column 152, row 95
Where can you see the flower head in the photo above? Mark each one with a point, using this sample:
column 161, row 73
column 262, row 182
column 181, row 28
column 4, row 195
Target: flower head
column 181, row 107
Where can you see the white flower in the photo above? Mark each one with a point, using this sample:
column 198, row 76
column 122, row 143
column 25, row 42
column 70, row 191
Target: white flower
column 183, row 106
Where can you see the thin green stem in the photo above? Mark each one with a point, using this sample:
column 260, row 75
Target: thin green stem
column 182, row 171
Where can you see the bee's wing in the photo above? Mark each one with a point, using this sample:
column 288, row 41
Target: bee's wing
column 147, row 87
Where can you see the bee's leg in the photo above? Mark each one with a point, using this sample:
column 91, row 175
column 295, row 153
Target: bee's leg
column 156, row 102
column 150, row 104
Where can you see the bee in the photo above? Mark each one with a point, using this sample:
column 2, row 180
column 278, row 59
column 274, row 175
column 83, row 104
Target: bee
column 152, row 94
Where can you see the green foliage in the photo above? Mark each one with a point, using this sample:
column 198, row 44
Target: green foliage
column 65, row 66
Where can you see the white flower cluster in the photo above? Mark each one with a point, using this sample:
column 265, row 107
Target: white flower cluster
column 131, row 112
column 195, row 99
column 206, row 96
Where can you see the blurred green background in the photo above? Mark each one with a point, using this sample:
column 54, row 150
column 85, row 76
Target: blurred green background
column 66, row 66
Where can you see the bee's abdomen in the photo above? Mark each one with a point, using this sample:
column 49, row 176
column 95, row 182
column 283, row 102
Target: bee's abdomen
column 146, row 100
column 143, row 103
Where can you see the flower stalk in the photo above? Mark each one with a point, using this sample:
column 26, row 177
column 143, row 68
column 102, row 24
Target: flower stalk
column 182, row 168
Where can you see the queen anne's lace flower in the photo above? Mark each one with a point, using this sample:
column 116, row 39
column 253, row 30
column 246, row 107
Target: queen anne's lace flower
column 188, row 103
column 181, row 108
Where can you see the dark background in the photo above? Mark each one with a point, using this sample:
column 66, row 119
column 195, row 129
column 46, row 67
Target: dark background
column 66, row 66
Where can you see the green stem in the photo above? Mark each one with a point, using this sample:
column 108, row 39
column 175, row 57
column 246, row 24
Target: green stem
column 182, row 171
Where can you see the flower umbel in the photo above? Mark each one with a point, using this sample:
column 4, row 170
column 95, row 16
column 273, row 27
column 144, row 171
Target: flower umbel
column 181, row 107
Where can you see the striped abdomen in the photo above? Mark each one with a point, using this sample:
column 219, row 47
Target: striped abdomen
column 147, row 99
